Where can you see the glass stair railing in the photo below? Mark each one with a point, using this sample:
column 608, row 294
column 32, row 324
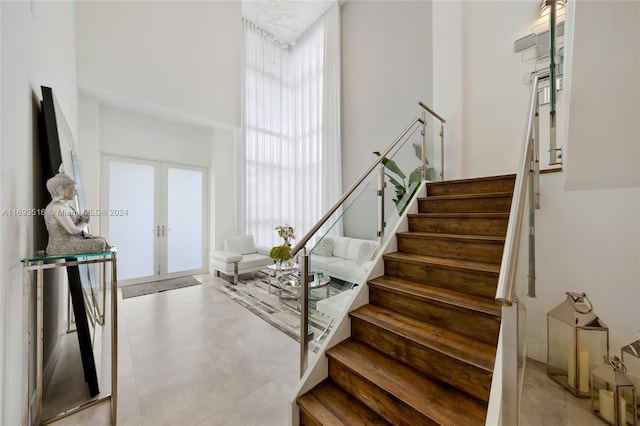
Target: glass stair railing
column 344, row 248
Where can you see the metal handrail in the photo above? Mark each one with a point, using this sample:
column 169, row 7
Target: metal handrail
column 305, row 239
column 432, row 112
column 506, row 280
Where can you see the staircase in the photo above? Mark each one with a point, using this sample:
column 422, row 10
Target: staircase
column 422, row 351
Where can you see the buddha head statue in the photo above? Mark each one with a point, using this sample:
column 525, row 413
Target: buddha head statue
column 61, row 186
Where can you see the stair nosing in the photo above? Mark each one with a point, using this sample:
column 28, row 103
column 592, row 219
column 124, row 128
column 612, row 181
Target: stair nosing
column 447, row 297
column 445, row 262
column 444, row 236
column 479, row 215
column 476, row 179
column 466, row 196
column 452, row 351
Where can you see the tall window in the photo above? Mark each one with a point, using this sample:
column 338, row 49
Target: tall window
column 291, row 128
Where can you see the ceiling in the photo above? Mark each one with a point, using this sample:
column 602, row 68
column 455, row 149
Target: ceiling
column 286, row 20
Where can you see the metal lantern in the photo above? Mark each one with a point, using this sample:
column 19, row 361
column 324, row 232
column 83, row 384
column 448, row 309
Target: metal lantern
column 576, row 342
column 630, row 355
column 613, row 395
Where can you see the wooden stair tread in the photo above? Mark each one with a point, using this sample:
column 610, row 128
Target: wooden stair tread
column 459, row 215
column 438, row 294
column 328, row 404
column 474, row 179
column 442, row 404
column 466, row 196
column 442, row 236
column 444, row 261
column 454, row 345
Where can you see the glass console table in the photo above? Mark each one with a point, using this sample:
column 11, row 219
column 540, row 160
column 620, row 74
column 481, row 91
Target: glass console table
column 84, row 312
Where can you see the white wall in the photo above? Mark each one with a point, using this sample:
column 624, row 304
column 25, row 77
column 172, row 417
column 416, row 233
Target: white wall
column 478, row 83
column 181, row 54
column 495, row 98
column 135, row 135
column 224, row 199
column 37, row 49
column 448, row 80
column 603, row 149
column 386, row 70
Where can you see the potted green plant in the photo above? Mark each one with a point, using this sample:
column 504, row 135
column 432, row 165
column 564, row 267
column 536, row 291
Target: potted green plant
column 400, row 182
column 280, row 253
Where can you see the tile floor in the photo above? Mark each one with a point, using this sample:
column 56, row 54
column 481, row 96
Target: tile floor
column 193, row 356
column 545, row 403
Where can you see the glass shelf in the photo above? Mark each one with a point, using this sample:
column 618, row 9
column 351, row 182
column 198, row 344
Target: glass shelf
column 42, row 256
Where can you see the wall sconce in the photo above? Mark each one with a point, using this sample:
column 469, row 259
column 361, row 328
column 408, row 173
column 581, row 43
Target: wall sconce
column 576, row 341
column 612, row 393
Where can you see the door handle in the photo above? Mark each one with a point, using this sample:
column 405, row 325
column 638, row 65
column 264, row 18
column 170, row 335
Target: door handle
column 163, row 230
column 158, row 230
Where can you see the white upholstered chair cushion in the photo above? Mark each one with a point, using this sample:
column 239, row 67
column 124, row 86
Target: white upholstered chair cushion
column 240, row 244
column 240, row 255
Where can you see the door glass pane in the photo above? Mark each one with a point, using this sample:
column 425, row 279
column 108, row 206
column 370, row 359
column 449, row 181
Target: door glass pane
column 184, row 220
column 131, row 218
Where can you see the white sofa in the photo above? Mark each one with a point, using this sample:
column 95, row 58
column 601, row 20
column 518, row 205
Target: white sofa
column 239, row 256
column 345, row 258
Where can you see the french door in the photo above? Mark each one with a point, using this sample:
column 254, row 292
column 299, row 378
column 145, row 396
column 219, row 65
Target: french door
column 155, row 218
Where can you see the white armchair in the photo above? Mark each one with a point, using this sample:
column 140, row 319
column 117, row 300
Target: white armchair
column 239, row 256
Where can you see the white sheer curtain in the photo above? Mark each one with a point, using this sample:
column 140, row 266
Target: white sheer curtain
column 291, row 128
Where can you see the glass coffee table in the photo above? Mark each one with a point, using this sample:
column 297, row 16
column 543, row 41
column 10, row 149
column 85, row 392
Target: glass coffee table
column 285, row 278
column 282, row 275
column 319, row 282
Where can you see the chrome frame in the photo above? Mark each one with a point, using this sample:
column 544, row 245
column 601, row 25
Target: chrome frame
column 506, row 280
column 39, row 266
column 381, row 187
column 303, row 301
column 442, row 121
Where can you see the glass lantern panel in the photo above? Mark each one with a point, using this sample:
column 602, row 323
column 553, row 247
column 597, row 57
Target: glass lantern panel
column 561, row 352
column 601, row 396
column 593, row 346
column 602, row 400
column 626, row 398
column 632, row 362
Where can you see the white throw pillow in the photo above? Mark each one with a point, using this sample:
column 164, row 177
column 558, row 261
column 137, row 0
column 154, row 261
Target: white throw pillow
column 354, row 248
column 366, row 252
column 324, row 247
column 340, row 246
